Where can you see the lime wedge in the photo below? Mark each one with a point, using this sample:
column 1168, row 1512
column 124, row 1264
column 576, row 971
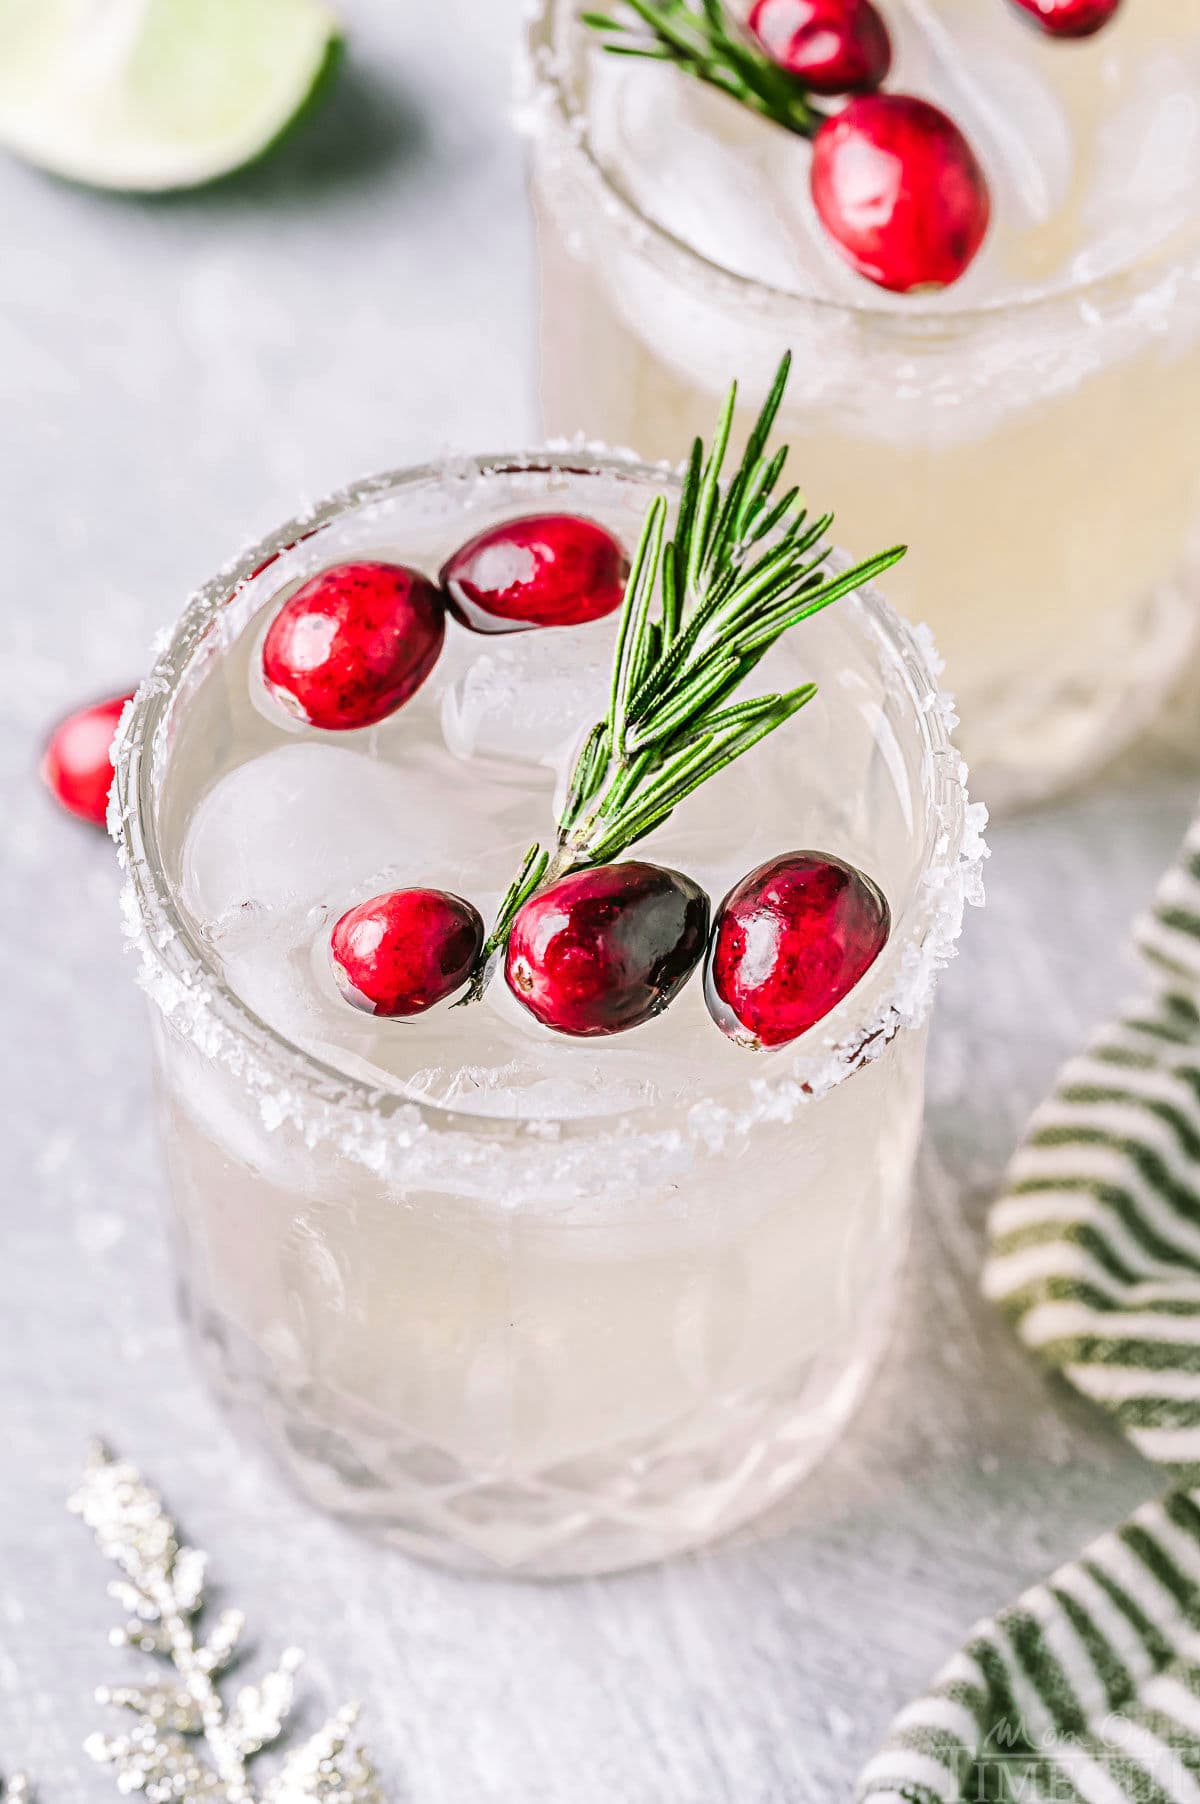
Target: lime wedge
column 151, row 95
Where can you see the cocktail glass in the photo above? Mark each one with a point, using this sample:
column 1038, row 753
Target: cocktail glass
column 514, row 1302
column 1028, row 433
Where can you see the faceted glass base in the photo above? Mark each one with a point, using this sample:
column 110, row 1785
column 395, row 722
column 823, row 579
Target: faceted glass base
column 627, row 1506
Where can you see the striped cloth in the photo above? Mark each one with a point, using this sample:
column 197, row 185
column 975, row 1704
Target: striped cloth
column 1088, row 1687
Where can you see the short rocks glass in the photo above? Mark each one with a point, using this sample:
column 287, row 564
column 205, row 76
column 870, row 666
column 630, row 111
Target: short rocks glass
column 510, row 1300
column 1028, row 432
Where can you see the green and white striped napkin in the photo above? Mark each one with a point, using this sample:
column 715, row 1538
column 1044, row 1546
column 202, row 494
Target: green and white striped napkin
column 1088, row 1686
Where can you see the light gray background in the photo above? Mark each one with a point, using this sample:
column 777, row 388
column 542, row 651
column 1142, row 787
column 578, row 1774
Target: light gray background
column 174, row 377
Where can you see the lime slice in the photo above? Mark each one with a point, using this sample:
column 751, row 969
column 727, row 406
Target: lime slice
column 156, row 94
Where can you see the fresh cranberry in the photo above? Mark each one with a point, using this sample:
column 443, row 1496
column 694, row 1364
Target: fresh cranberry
column 354, row 644
column 790, row 940
column 832, row 46
column 608, row 948
column 399, row 954
column 540, row 570
column 1069, row 18
column 900, row 191
column 77, row 763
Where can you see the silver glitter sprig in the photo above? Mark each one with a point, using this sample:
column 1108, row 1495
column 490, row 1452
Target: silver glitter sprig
column 187, row 1746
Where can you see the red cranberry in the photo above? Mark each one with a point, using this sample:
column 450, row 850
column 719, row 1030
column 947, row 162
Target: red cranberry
column 832, row 46
column 399, row 954
column 1070, row 18
column 354, row 644
column 900, row 191
column 606, row 949
column 541, row 570
column 790, row 940
column 76, row 765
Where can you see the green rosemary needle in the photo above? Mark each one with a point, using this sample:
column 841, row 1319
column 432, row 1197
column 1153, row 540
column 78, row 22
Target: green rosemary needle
column 701, row 609
column 699, row 39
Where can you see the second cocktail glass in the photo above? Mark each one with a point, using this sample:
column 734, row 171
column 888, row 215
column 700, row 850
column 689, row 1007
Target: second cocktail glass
column 1028, row 433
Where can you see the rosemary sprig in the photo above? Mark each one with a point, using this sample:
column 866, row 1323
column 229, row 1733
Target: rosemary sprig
column 702, row 608
column 698, row 38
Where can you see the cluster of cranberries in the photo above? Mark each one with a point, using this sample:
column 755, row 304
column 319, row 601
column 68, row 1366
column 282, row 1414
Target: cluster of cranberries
column 610, row 947
column 894, row 181
column 606, row 949
column 602, row 949
column 356, row 642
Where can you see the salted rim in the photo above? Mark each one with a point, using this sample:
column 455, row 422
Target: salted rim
column 544, row 104
column 181, row 975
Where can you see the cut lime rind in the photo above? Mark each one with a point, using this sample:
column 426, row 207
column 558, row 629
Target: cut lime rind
column 151, row 96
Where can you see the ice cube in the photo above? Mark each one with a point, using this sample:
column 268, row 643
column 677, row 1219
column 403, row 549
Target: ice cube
column 522, row 698
column 309, row 824
column 707, row 170
column 1000, row 87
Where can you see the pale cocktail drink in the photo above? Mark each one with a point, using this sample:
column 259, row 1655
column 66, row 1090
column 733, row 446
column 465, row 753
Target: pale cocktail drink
column 1026, row 431
column 511, row 1298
